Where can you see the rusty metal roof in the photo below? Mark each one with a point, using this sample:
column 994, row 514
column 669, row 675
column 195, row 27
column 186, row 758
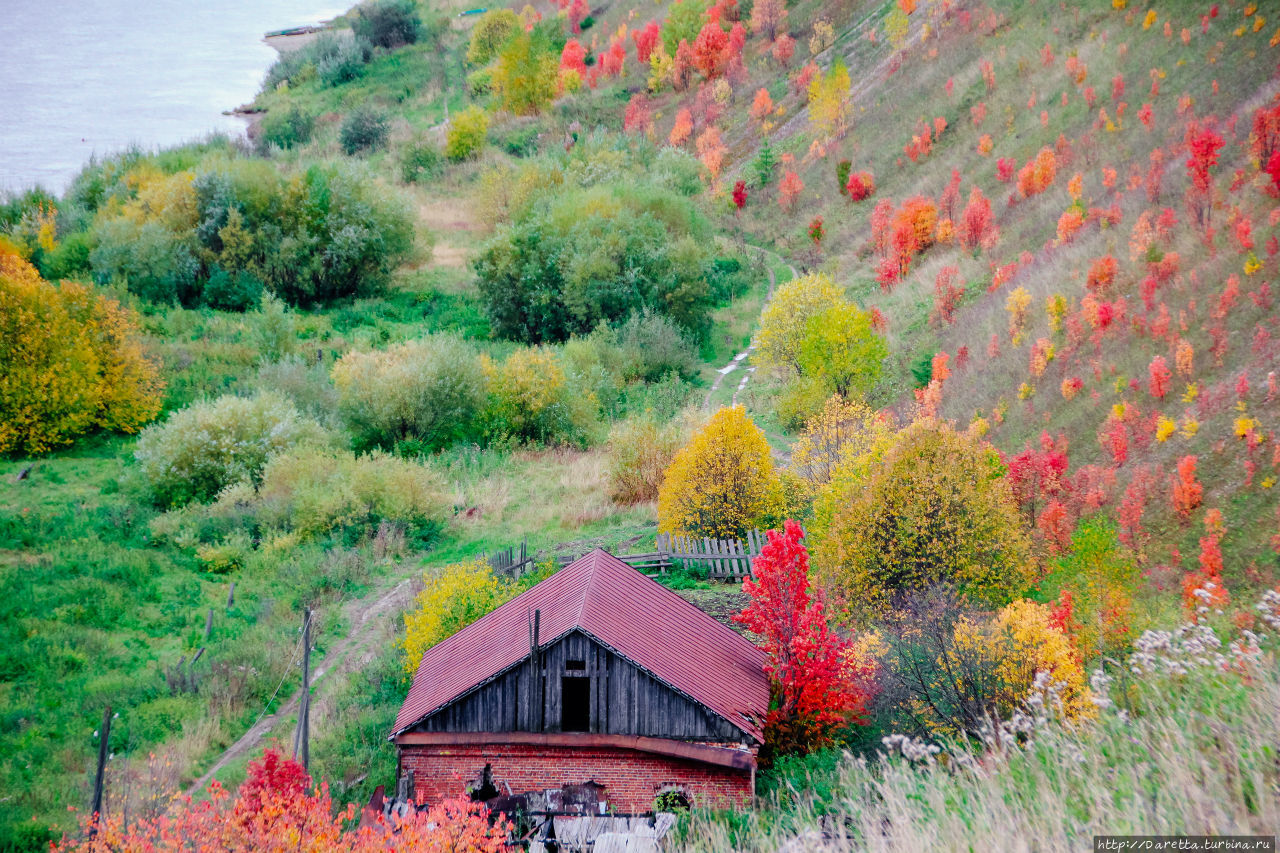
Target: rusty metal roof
column 635, row 616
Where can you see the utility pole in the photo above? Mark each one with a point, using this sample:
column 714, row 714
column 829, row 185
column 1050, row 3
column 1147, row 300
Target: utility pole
column 105, row 733
column 303, row 733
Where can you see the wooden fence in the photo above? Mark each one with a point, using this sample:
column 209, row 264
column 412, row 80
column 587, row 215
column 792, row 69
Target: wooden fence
column 512, row 561
column 724, row 559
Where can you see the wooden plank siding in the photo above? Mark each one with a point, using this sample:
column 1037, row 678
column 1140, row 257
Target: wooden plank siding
column 625, row 700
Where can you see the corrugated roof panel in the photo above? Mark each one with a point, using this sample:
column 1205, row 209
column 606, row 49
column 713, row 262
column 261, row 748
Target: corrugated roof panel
column 636, row 616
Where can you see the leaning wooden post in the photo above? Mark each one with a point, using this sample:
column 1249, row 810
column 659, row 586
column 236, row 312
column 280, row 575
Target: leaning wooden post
column 96, row 812
column 304, row 723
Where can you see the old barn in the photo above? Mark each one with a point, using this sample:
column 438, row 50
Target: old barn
column 596, row 675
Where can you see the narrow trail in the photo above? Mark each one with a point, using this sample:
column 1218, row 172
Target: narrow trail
column 742, row 356
column 355, row 648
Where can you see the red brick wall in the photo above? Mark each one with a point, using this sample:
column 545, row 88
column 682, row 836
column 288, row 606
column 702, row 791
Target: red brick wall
column 631, row 778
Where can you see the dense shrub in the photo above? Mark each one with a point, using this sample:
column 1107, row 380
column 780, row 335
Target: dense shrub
column 430, row 390
column 387, row 23
column 932, row 507
column 209, row 445
column 364, row 129
column 237, row 291
column 810, row 327
column 311, row 491
column 645, row 347
column 452, row 597
column 308, row 236
column 420, row 160
column 531, row 399
column 304, row 383
column 722, row 483
column 466, row 134
column 285, row 128
column 490, row 34
column 640, row 451
column 582, row 255
column 954, row 669
column 71, row 360
column 526, row 74
column 518, row 141
column 331, row 58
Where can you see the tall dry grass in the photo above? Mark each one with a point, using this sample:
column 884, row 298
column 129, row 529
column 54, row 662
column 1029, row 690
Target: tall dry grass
column 1192, row 753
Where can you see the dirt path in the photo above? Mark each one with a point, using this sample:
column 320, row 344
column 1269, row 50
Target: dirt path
column 367, row 620
column 742, row 356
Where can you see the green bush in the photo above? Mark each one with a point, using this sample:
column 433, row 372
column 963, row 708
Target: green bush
column 305, row 383
column 430, row 390
column 467, row 133
column 518, row 141
column 226, row 291
column 312, row 491
column 490, row 34
column 421, row 160
column 364, row 129
column 285, row 129
column 582, row 255
column 209, row 445
column 480, row 82
column 331, row 58
column 388, row 23
column 345, row 63
column 309, row 236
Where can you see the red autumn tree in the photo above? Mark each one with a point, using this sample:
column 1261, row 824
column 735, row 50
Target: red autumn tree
column 789, row 189
column 1037, row 477
column 1203, row 145
column 682, row 68
column 948, row 290
column 784, row 47
column 767, row 17
column 762, row 105
column 1187, row 491
column 711, row 50
column 1160, row 375
column 574, row 57
column 861, row 185
column 646, row 40
column 977, row 225
column 740, row 194
column 274, row 812
column 819, row 681
column 639, row 115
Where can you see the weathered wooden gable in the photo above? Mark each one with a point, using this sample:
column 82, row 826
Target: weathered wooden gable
column 578, row 684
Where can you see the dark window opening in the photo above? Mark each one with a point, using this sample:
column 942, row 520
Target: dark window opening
column 578, row 665
column 483, row 787
column 575, row 702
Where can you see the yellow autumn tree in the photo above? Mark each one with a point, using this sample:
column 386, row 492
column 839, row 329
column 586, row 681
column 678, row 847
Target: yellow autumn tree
column 931, row 508
column 844, row 430
column 830, row 109
column 722, row 483
column 451, row 599
column 71, row 360
column 1019, row 643
column 530, row 399
column 784, row 320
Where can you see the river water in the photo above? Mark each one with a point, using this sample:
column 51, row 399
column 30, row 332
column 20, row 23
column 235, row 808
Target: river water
column 79, row 77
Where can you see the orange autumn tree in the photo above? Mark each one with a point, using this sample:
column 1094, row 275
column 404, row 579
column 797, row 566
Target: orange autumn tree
column 273, row 811
column 820, row 681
